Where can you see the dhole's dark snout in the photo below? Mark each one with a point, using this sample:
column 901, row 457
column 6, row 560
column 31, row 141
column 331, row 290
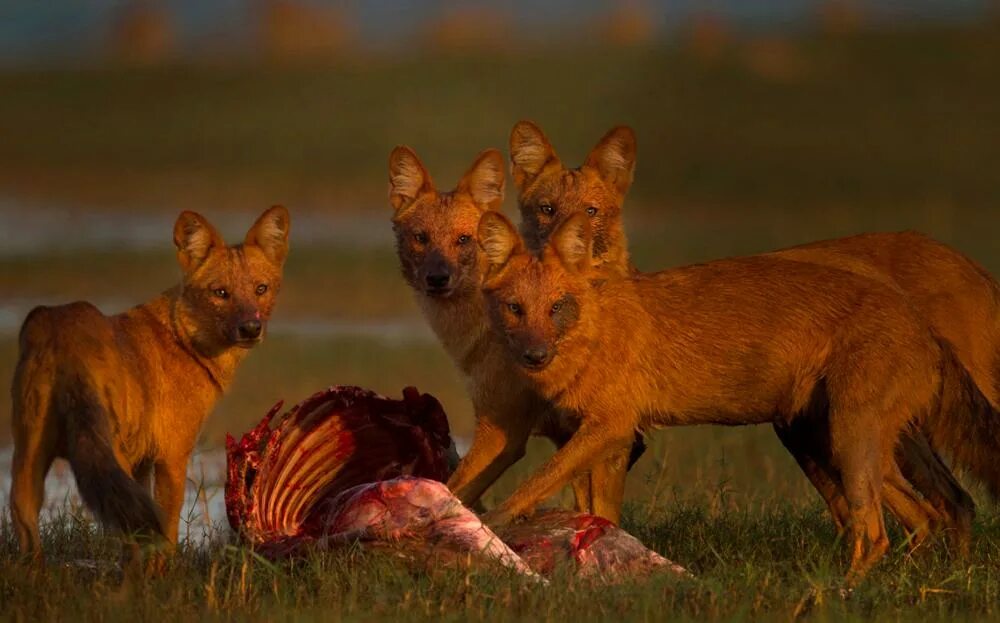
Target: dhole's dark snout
column 535, row 357
column 250, row 329
column 438, row 281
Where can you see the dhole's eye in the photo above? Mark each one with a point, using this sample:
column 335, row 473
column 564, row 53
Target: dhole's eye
column 261, row 289
column 464, row 238
column 514, row 308
column 547, row 209
column 556, row 307
column 221, row 293
column 420, row 237
column 591, row 211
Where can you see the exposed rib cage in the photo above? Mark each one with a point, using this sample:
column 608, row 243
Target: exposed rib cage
column 281, row 479
column 347, row 465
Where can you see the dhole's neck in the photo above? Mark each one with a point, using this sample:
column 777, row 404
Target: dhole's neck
column 218, row 368
column 601, row 345
column 615, row 267
column 460, row 323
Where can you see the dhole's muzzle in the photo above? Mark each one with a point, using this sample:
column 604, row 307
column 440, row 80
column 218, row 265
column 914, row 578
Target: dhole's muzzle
column 436, row 276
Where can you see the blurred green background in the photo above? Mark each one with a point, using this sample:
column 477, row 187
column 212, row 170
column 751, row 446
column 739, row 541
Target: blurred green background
column 753, row 134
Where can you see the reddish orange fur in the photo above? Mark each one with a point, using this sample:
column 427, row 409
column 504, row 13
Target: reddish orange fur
column 960, row 301
column 599, row 186
column 123, row 397
column 957, row 297
column 429, row 225
column 708, row 344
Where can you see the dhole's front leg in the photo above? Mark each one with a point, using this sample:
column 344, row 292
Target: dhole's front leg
column 170, row 480
column 601, row 490
column 607, row 485
column 581, row 484
column 498, row 443
column 597, row 440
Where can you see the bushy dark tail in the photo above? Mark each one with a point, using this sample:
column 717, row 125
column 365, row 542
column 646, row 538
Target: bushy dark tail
column 115, row 498
column 966, row 427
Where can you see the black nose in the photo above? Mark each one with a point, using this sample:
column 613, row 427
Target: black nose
column 535, row 356
column 250, row 330
column 438, row 281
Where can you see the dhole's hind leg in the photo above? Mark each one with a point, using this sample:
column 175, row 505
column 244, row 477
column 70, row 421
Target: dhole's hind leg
column 33, row 455
column 810, row 449
column 917, row 516
column 931, row 477
column 807, row 447
column 170, row 480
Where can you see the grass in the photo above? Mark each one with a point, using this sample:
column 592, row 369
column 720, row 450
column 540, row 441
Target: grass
column 771, row 562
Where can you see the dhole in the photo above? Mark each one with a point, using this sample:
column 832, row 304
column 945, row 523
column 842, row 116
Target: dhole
column 441, row 261
column 960, row 301
column 123, row 397
column 706, row 344
column 955, row 295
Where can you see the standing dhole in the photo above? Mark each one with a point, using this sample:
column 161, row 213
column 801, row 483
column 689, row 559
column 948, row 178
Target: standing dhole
column 123, row 397
column 737, row 341
column 441, row 261
column 959, row 300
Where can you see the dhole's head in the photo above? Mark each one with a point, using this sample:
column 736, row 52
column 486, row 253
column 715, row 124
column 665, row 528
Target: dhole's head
column 549, row 193
column 539, row 302
column 228, row 292
column 436, row 231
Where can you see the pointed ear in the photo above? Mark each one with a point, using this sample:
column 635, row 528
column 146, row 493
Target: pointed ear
column 498, row 238
column 572, row 241
column 194, row 238
column 270, row 234
column 614, row 158
column 484, row 180
column 408, row 178
column 530, row 152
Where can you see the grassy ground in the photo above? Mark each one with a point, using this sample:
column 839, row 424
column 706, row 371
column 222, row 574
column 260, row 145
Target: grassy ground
column 775, row 561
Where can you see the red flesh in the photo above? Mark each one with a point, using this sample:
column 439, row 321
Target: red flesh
column 348, row 465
